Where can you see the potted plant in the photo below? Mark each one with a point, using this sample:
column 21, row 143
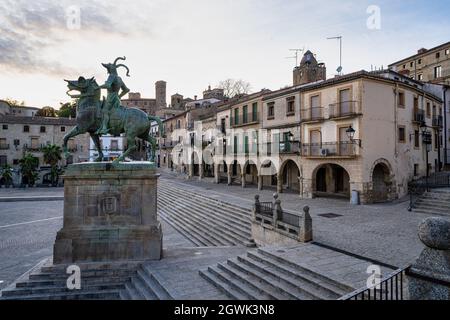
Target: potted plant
column 52, row 155
column 7, row 175
column 28, row 167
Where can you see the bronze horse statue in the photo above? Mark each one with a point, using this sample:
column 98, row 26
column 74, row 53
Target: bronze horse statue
column 133, row 122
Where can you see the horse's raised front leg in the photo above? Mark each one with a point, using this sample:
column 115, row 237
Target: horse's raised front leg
column 73, row 133
column 131, row 142
column 98, row 146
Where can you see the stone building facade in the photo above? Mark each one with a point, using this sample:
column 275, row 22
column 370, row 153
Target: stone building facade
column 309, row 70
column 432, row 65
column 148, row 105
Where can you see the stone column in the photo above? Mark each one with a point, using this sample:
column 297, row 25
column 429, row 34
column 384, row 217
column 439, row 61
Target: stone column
column 277, row 211
column 216, row 173
column 260, row 182
column 243, row 180
column 229, row 172
column 200, row 171
column 191, row 170
column 300, row 186
column 429, row 276
column 279, row 183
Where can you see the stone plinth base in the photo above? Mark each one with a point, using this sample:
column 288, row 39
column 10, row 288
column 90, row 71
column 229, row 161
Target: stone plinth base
column 109, row 214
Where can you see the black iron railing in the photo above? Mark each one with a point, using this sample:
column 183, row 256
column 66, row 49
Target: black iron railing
column 290, row 147
column 312, row 114
column 438, row 121
column 343, row 109
column 389, row 288
column 243, row 119
column 329, row 149
column 418, row 187
column 419, row 116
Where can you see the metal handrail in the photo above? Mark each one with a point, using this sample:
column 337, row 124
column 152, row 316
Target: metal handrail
column 389, row 288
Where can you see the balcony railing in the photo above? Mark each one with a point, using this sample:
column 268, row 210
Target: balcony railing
column 290, row 147
column 438, row 121
column 343, row 109
column 312, row 114
column 419, row 116
column 248, row 118
column 33, row 148
column 4, row 146
column 329, row 149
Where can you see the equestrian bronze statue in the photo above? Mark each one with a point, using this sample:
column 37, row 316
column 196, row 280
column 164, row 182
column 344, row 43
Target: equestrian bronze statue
column 100, row 117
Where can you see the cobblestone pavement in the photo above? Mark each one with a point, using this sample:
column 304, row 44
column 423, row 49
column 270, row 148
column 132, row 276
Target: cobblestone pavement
column 27, row 233
column 383, row 232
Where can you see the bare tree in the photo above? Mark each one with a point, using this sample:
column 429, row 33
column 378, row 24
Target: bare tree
column 233, row 87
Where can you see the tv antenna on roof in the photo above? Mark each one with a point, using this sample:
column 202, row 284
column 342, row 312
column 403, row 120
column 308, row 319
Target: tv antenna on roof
column 339, row 69
column 296, row 55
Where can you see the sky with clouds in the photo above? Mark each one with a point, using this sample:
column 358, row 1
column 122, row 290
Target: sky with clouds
column 195, row 43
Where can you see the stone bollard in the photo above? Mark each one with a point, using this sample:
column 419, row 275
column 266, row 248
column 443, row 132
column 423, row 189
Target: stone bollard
column 306, row 231
column 429, row 276
column 256, row 207
column 277, row 211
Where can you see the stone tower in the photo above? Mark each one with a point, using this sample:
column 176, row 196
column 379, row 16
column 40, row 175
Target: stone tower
column 160, row 94
column 309, row 70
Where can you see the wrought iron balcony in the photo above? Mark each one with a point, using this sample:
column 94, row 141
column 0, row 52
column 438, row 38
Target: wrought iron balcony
column 329, row 149
column 314, row 114
column 343, row 109
column 438, row 121
column 288, row 147
column 32, row 148
column 419, row 116
column 4, row 146
column 245, row 119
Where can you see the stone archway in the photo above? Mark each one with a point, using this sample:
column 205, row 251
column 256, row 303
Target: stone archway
column 250, row 173
column 235, row 171
column 195, row 165
column 331, row 180
column 268, row 172
column 290, row 176
column 382, row 184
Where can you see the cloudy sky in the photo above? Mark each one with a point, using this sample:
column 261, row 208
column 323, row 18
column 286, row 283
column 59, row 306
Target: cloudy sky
column 195, row 43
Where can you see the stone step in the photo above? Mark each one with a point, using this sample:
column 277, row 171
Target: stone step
column 130, row 292
column 94, row 295
column 84, row 274
column 154, row 283
column 92, row 266
column 224, row 219
column 314, row 276
column 431, row 212
column 218, row 234
column 229, row 290
column 237, row 284
column 237, row 213
column 144, row 291
column 251, row 280
column 180, row 230
column 433, row 202
column 275, row 286
column 62, row 282
column 188, row 227
column 189, row 224
column 224, row 232
column 27, row 291
column 432, row 206
column 303, row 281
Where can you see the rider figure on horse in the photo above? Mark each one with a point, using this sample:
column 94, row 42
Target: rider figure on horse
column 113, row 85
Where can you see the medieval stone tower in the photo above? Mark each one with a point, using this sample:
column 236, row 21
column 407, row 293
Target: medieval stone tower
column 160, row 94
column 309, row 70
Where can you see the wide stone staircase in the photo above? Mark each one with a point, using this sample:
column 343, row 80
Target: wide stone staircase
column 436, row 202
column 144, row 286
column 264, row 275
column 99, row 281
column 203, row 220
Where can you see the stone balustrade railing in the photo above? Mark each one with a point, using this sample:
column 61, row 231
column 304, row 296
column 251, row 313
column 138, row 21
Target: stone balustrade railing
column 270, row 217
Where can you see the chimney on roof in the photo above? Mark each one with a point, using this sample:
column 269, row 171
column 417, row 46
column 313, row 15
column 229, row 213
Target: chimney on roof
column 421, row 50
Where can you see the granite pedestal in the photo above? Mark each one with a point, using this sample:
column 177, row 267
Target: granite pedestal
column 110, row 213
